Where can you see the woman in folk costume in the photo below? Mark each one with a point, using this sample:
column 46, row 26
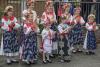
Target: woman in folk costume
column 47, row 36
column 77, row 30
column 30, row 6
column 9, row 26
column 90, row 39
column 64, row 29
column 50, row 17
column 69, row 22
column 29, row 50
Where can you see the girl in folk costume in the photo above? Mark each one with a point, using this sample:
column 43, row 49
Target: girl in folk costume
column 9, row 26
column 29, row 50
column 64, row 29
column 90, row 39
column 47, row 35
column 77, row 30
column 50, row 17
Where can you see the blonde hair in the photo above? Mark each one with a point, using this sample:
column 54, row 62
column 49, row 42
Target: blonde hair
column 91, row 15
column 7, row 9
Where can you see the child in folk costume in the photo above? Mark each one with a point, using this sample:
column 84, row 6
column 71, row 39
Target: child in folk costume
column 90, row 39
column 77, row 30
column 69, row 22
column 47, row 35
column 29, row 50
column 50, row 17
column 9, row 26
column 64, row 29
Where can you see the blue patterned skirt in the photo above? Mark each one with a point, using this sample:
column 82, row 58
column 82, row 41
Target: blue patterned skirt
column 77, row 34
column 10, row 43
column 91, row 40
column 29, row 51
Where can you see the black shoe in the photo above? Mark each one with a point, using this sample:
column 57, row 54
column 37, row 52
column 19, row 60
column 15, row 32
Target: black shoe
column 44, row 62
column 92, row 53
column 62, row 61
column 80, row 51
column 14, row 61
column 52, row 56
column 67, row 61
column 87, row 53
column 49, row 61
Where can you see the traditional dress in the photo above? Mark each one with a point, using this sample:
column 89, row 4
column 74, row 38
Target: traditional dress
column 90, row 39
column 47, row 36
column 9, row 45
column 48, row 17
column 77, row 31
column 29, row 47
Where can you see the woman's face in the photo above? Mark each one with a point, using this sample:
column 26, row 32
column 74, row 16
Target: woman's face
column 10, row 13
column 31, row 6
column 77, row 12
column 50, row 8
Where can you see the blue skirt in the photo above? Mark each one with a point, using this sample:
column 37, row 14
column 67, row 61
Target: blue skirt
column 77, row 34
column 29, row 51
column 91, row 40
column 10, row 43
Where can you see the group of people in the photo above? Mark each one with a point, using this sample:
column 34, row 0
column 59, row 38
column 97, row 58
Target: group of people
column 68, row 33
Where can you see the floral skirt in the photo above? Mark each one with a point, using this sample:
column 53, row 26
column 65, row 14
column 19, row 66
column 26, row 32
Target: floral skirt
column 10, row 43
column 77, row 35
column 91, row 40
column 29, row 48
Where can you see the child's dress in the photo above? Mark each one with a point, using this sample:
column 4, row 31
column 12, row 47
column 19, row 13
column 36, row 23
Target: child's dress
column 90, row 39
column 29, row 50
column 48, row 17
column 9, row 44
column 47, row 36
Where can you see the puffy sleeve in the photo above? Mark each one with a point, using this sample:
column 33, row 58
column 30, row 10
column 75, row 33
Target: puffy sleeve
column 71, row 18
column 60, row 29
column 43, row 18
column 89, row 27
column 17, row 25
column 82, row 21
column 55, row 17
column 4, row 25
column 44, row 34
column 34, row 16
column 24, row 13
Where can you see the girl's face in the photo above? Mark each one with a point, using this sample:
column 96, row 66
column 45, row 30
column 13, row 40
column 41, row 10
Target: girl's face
column 91, row 19
column 10, row 13
column 30, row 18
